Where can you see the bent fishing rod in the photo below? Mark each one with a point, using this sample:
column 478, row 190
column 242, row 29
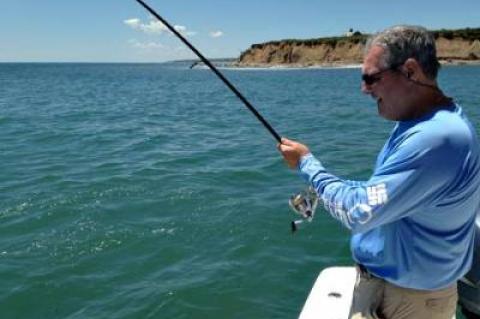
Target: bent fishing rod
column 303, row 203
column 215, row 70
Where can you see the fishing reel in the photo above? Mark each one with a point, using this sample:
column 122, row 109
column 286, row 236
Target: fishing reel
column 304, row 204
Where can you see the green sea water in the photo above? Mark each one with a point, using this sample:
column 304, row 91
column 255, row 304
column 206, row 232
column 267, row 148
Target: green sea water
column 149, row 191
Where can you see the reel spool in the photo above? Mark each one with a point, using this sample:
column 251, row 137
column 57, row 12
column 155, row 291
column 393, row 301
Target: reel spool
column 304, row 203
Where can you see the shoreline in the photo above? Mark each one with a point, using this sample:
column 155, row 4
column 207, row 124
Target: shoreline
column 321, row 66
column 336, row 65
column 288, row 66
column 459, row 62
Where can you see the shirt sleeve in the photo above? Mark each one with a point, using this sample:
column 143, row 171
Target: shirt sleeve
column 409, row 178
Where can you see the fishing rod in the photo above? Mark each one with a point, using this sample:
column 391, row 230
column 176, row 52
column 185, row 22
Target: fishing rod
column 303, row 203
column 215, row 70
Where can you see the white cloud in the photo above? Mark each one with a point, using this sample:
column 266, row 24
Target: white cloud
column 151, row 45
column 216, row 34
column 154, row 26
column 183, row 30
column 134, row 23
column 151, row 27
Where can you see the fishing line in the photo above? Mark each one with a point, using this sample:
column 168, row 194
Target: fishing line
column 215, row 70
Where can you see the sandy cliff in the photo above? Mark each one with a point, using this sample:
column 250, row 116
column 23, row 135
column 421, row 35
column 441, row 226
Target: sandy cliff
column 452, row 46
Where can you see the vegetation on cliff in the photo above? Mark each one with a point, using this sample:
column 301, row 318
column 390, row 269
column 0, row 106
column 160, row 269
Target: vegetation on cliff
column 332, row 41
column 468, row 34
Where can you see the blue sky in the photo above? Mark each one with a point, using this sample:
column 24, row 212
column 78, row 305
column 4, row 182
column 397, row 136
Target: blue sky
column 122, row 31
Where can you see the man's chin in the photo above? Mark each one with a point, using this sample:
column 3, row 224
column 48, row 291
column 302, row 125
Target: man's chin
column 383, row 111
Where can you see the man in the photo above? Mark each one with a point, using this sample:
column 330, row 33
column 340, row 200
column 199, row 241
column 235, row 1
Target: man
column 412, row 222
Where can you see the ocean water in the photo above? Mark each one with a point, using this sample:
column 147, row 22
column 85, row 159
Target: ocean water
column 149, row 191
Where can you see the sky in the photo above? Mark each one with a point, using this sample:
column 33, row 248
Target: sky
column 122, row 31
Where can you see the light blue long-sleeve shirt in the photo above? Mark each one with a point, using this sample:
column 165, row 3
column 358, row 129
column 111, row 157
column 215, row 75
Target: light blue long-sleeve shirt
column 412, row 222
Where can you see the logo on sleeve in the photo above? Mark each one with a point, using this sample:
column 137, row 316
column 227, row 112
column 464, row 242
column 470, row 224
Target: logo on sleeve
column 377, row 195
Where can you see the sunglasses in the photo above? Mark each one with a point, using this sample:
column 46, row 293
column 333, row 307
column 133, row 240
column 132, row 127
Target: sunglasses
column 373, row 78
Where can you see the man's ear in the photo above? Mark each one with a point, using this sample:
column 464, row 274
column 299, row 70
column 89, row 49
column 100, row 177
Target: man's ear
column 412, row 69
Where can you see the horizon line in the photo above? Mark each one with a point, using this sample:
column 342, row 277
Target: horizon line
column 113, row 62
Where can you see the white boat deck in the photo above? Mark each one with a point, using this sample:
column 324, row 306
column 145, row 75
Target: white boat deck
column 331, row 295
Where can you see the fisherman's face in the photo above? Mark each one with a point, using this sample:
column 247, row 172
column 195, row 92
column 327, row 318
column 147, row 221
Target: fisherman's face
column 387, row 86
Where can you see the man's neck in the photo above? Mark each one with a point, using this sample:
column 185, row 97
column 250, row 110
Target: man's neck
column 430, row 100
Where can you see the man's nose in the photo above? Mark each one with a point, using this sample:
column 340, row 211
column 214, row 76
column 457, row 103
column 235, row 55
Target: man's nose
column 366, row 89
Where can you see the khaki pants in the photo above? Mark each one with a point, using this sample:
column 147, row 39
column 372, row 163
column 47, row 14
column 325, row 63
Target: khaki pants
column 375, row 298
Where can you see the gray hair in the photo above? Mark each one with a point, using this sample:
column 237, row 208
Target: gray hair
column 403, row 42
